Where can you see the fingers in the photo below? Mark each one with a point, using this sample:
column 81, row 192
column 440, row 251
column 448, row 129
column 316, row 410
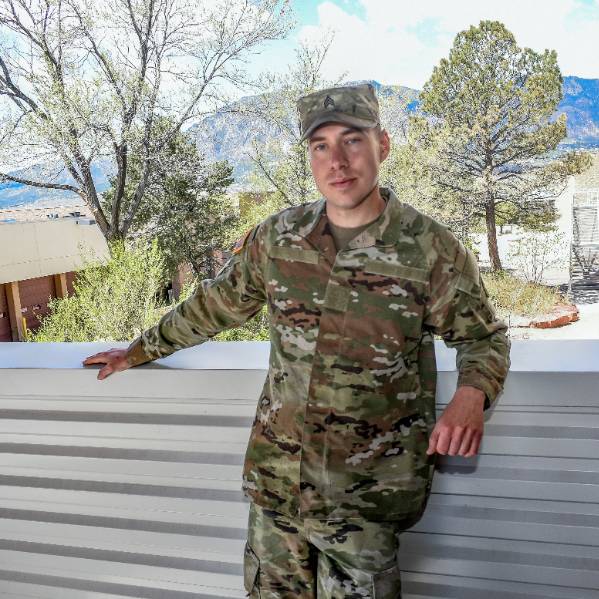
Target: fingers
column 95, row 359
column 456, row 441
column 465, row 444
column 100, row 358
column 439, row 441
column 112, row 359
column 432, row 444
column 475, row 446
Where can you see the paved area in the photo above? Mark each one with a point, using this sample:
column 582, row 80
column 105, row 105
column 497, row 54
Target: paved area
column 587, row 327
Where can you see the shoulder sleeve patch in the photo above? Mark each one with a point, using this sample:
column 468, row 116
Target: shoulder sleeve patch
column 241, row 241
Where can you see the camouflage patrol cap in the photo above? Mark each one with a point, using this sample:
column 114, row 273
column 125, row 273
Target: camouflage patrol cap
column 354, row 105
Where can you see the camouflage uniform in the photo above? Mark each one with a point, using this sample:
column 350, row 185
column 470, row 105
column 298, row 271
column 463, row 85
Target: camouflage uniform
column 343, row 420
column 348, row 558
column 342, row 423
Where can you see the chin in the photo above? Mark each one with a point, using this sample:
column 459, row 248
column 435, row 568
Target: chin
column 349, row 199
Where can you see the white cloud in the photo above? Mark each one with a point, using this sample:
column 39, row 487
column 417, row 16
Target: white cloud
column 400, row 41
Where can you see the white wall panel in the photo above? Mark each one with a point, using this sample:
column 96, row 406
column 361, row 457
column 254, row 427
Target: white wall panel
column 131, row 487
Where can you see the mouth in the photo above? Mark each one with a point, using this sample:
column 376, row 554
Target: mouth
column 342, row 183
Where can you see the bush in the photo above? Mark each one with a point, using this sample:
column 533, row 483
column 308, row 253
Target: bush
column 513, row 296
column 114, row 301
column 533, row 253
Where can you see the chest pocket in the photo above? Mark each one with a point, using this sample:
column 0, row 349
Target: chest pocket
column 292, row 279
column 384, row 316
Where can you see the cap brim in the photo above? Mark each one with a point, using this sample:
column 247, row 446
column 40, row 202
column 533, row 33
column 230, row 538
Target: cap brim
column 345, row 119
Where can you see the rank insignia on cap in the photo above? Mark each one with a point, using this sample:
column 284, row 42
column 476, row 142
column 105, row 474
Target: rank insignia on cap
column 329, row 103
column 241, row 241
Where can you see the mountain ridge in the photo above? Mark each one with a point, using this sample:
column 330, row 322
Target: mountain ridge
column 228, row 136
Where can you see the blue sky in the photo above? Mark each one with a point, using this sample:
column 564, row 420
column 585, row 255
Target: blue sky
column 400, row 41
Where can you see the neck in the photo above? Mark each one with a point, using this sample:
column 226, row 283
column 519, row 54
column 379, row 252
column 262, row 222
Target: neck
column 366, row 211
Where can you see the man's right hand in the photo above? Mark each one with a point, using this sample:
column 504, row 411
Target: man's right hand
column 115, row 360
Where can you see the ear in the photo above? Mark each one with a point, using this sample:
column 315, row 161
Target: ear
column 385, row 144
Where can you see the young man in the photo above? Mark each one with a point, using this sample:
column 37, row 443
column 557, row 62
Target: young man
column 341, row 454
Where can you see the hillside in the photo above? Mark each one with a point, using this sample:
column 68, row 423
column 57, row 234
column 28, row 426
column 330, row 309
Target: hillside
column 227, row 135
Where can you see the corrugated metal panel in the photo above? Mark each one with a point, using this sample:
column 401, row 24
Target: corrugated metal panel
column 131, row 487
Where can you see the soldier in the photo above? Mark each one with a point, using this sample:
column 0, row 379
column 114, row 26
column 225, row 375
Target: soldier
column 341, row 453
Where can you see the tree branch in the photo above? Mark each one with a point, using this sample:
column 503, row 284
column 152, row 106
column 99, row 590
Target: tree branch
column 44, row 185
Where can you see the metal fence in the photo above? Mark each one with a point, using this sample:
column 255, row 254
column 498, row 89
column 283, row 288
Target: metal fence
column 584, row 254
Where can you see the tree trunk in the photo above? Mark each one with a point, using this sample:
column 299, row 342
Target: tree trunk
column 100, row 220
column 492, row 236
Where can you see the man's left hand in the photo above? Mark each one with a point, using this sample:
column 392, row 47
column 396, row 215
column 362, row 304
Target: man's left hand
column 459, row 430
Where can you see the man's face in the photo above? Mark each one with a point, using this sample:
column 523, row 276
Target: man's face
column 345, row 162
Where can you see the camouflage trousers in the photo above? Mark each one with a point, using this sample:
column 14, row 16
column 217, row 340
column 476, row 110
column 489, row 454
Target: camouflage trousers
column 286, row 558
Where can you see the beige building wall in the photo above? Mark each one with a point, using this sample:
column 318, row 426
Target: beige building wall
column 36, row 249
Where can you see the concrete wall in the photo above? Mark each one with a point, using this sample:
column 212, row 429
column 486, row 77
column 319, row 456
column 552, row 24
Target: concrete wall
column 130, row 487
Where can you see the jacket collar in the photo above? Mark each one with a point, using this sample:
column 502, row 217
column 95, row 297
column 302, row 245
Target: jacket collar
column 383, row 231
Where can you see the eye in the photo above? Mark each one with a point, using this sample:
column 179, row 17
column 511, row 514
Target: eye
column 352, row 140
column 318, row 147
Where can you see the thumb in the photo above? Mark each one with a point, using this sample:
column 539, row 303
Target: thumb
column 104, row 372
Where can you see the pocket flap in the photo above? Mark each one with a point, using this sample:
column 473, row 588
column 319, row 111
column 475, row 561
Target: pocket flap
column 295, row 254
column 402, row 271
column 467, row 285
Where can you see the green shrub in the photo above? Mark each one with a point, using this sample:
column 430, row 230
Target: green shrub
column 114, row 301
column 513, row 296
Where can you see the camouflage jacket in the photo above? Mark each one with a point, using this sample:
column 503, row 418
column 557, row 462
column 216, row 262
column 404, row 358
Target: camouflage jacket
column 343, row 420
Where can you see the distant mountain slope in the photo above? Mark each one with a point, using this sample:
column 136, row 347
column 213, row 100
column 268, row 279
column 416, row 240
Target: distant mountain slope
column 228, row 136
column 581, row 106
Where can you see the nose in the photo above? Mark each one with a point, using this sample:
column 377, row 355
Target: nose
column 338, row 157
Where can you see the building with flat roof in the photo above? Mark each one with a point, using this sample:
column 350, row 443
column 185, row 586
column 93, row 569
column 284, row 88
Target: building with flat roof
column 38, row 261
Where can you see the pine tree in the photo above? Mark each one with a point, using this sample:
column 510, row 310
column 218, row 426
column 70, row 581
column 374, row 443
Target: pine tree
column 489, row 137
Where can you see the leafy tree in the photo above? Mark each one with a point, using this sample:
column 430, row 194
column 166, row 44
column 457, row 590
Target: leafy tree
column 185, row 207
column 488, row 138
column 114, row 301
column 408, row 170
column 84, row 82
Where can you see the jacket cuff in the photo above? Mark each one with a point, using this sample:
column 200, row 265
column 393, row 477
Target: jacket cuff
column 472, row 378
column 135, row 353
